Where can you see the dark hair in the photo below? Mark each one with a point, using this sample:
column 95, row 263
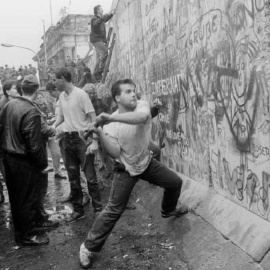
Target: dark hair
column 29, row 89
column 7, row 86
column 63, row 72
column 19, row 87
column 50, row 86
column 96, row 8
column 116, row 91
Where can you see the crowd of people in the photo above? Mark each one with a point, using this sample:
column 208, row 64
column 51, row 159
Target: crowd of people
column 74, row 123
column 7, row 73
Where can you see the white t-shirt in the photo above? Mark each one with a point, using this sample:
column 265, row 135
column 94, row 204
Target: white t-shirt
column 133, row 141
column 74, row 108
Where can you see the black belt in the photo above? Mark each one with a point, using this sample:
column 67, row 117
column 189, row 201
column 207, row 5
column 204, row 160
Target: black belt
column 71, row 133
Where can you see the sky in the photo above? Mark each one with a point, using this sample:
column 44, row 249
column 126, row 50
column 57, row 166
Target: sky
column 21, row 24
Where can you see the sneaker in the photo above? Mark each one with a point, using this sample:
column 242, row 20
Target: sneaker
column 47, row 225
column 2, row 197
column 59, row 176
column 85, row 257
column 69, row 198
column 182, row 210
column 35, row 240
column 75, row 216
column 86, row 200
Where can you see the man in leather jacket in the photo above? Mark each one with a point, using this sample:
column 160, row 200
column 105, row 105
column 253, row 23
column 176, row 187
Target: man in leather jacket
column 24, row 159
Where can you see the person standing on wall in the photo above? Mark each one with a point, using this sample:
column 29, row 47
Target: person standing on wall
column 98, row 39
column 125, row 137
column 77, row 113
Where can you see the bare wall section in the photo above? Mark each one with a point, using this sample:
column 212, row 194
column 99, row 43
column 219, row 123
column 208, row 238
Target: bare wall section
column 204, row 61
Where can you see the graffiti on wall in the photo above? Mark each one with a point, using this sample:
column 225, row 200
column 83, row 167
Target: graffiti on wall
column 202, row 60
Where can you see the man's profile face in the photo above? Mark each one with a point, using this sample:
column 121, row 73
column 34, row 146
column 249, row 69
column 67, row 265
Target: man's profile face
column 127, row 98
column 59, row 83
column 12, row 92
column 100, row 11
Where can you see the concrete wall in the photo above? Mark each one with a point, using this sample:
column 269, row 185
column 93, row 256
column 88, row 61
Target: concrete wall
column 204, row 60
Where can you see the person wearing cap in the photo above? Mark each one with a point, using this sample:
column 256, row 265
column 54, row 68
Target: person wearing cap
column 24, row 159
column 76, row 112
column 10, row 91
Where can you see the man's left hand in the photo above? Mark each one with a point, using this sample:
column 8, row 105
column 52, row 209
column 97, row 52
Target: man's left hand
column 92, row 148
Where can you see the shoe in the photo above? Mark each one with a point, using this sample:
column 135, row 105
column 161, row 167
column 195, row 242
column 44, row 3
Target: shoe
column 182, row 210
column 86, row 200
column 75, row 216
column 59, row 176
column 2, row 197
column 47, row 225
column 69, row 198
column 35, row 240
column 85, row 257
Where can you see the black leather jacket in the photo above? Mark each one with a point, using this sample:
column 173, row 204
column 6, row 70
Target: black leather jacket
column 98, row 28
column 20, row 131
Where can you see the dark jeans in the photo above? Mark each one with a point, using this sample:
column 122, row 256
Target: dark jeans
column 122, row 185
column 75, row 157
column 102, row 54
column 21, row 180
column 42, row 186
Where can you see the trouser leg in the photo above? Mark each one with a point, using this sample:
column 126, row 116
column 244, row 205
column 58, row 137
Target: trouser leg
column 92, row 183
column 73, row 169
column 122, row 186
column 21, row 181
column 162, row 176
column 56, row 154
column 102, row 53
column 42, row 187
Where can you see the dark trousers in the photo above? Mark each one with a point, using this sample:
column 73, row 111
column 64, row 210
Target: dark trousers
column 75, row 157
column 122, row 185
column 21, row 180
column 42, row 186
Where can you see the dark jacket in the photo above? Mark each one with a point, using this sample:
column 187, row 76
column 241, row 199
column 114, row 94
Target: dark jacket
column 20, row 131
column 98, row 28
column 87, row 79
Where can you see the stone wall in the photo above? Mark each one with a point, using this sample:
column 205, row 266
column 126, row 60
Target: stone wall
column 207, row 61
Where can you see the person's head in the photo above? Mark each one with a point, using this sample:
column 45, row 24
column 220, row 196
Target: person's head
column 68, row 57
column 98, row 10
column 123, row 93
column 51, row 88
column 30, row 86
column 39, row 99
column 10, row 89
column 91, row 90
column 61, row 78
column 30, row 65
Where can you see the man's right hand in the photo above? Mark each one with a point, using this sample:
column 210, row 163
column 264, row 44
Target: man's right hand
column 102, row 119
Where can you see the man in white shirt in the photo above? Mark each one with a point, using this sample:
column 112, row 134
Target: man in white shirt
column 126, row 138
column 77, row 113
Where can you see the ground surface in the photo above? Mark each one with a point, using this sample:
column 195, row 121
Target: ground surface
column 141, row 239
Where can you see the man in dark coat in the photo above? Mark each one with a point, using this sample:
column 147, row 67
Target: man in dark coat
column 24, row 159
